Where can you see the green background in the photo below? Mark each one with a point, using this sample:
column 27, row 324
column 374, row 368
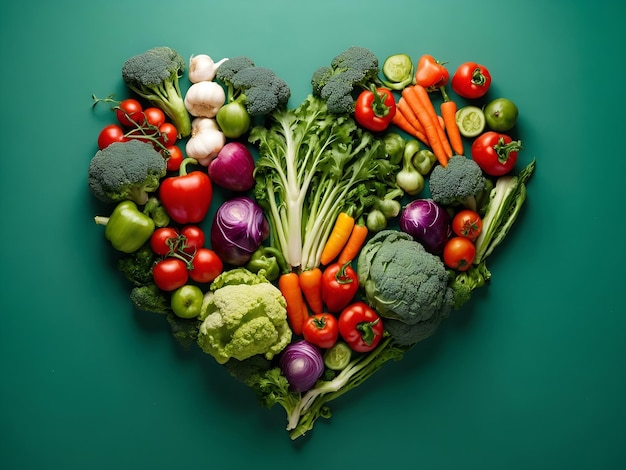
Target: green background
column 530, row 374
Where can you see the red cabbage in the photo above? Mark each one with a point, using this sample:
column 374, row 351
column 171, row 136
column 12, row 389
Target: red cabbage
column 239, row 227
column 427, row 222
column 302, row 364
column 233, row 167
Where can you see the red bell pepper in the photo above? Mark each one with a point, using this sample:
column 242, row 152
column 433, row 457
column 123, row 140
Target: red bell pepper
column 375, row 108
column 360, row 327
column 187, row 197
column 430, row 73
column 339, row 286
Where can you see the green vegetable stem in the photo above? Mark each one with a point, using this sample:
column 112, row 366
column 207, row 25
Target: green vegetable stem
column 127, row 228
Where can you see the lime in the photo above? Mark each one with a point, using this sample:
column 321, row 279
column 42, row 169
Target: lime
column 501, row 114
column 471, row 121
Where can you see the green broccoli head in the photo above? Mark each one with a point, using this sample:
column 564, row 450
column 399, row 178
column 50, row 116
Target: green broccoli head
column 404, row 282
column 457, row 183
column 154, row 75
column 258, row 88
column 150, row 298
column 240, row 320
column 126, row 171
column 349, row 73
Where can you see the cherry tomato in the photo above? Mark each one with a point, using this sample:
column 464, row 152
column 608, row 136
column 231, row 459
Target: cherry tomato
column 467, row 223
column 154, row 116
column 130, row 113
column 169, row 134
column 163, row 240
column 170, row 273
column 360, row 327
column 194, row 238
column 206, row 265
column 321, row 329
column 459, row 253
column 495, row 153
column 471, row 80
column 174, row 157
column 339, row 286
column 109, row 134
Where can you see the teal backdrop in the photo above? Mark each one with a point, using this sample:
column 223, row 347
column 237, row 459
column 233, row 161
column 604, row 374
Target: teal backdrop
column 530, row 374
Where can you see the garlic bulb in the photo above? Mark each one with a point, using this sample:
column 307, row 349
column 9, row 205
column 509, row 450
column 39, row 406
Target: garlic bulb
column 202, row 68
column 206, row 140
column 204, row 99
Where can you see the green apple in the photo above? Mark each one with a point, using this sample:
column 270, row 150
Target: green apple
column 501, row 114
column 187, row 301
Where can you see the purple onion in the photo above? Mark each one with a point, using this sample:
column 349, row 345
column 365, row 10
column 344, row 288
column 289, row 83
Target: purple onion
column 427, row 222
column 239, row 227
column 233, row 167
column 302, row 364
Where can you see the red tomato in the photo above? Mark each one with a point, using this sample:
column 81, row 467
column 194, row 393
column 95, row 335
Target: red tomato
column 374, row 110
column 206, row 265
column 360, row 327
column 169, row 134
column 174, row 157
column 467, row 223
column 130, row 113
column 459, row 253
column 170, row 273
column 109, row 134
column 495, row 153
column 471, row 80
column 339, row 286
column 194, row 238
column 154, row 116
column 163, row 240
column 430, row 73
column 321, row 329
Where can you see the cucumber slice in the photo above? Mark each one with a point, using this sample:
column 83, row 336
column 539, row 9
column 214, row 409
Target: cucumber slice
column 471, row 121
column 398, row 71
column 338, row 356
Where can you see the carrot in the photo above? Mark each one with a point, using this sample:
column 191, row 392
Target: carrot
column 311, row 285
column 448, row 113
column 419, row 108
column 354, row 244
column 289, row 286
column 338, row 237
column 423, row 95
column 406, row 120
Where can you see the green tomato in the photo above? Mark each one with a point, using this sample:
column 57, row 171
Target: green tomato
column 187, row 301
column 233, row 119
column 501, row 114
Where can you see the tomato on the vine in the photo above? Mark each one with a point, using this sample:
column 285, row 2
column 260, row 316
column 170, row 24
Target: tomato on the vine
column 495, row 153
column 163, row 240
column 194, row 238
column 459, row 253
column 154, row 116
column 467, row 223
column 321, row 329
column 471, row 80
column 206, row 265
column 169, row 134
column 110, row 134
column 129, row 113
column 170, row 273
column 174, row 157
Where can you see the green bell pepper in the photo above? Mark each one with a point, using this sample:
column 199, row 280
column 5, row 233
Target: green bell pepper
column 394, row 147
column 127, row 228
column 423, row 161
column 267, row 259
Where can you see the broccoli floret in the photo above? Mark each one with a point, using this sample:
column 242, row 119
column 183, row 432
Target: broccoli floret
column 154, row 75
column 349, row 73
column 257, row 88
column 150, row 298
column 137, row 266
column 241, row 319
column 463, row 283
column 126, row 171
column 184, row 330
column 404, row 283
column 457, row 183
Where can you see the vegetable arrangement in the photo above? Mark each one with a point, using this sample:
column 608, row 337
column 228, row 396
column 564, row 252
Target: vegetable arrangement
column 352, row 224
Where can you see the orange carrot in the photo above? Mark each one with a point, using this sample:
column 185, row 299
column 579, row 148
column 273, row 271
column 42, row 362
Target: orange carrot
column 311, row 285
column 338, row 237
column 442, row 122
column 406, row 120
column 289, row 285
column 418, row 107
column 354, row 244
column 424, row 97
column 448, row 113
